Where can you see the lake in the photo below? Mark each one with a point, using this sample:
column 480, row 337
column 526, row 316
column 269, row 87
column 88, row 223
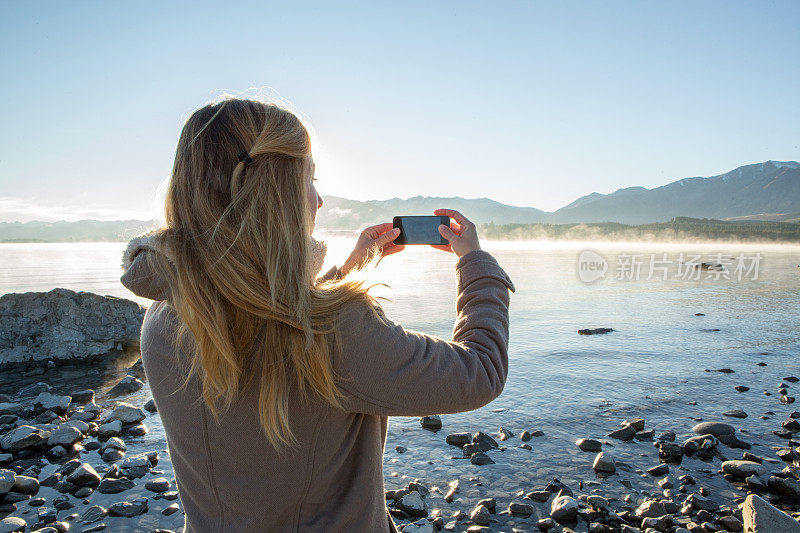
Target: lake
column 668, row 330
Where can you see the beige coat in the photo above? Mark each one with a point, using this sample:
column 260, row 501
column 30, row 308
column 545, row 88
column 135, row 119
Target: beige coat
column 229, row 477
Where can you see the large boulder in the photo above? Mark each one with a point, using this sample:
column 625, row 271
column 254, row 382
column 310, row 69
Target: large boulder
column 761, row 517
column 65, row 325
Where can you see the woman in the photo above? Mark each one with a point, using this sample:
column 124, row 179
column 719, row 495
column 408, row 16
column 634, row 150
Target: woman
column 274, row 387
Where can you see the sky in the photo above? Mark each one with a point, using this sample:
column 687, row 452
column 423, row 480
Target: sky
column 528, row 103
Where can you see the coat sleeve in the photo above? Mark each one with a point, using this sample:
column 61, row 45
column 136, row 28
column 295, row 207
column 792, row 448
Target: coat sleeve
column 390, row 371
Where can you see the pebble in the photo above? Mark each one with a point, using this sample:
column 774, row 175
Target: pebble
column 159, row 484
column 129, row 509
column 480, row 458
column 714, row 428
column 743, row 469
column 433, row 422
column 589, row 445
column 170, row 509
column 604, row 463
column 564, row 509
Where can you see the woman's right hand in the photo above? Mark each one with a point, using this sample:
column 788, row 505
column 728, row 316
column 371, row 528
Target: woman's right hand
column 462, row 235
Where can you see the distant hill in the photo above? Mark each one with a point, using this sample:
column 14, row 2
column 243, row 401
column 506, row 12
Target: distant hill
column 341, row 213
column 79, row 231
column 762, row 188
column 768, row 191
column 678, row 229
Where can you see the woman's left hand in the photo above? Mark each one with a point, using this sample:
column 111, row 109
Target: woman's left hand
column 371, row 240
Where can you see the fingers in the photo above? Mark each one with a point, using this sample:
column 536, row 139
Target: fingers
column 374, row 231
column 455, row 215
column 447, row 233
column 387, row 237
column 390, row 249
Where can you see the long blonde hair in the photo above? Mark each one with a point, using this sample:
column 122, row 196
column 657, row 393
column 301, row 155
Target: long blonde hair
column 240, row 277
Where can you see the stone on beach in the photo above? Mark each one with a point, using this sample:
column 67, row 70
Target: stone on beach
column 23, row 437
column 604, row 463
column 589, row 445
column 84, row 476
column 743, row 469
column 6, row 480
column 433, row 422
column 126, row 413
column 564, row 509
column 625, row 433
column 459, row 439
column 412, row 503
column 128, row 385
column 129, row 509
column 714, row 428
column 480, row 515
column 12, row 524
column 37, row 327
column 759, row 516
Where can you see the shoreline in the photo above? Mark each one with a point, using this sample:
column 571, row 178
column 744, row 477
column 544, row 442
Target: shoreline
column 507, row 488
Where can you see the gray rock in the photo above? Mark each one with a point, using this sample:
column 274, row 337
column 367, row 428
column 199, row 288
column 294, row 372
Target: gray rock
column 625, row 433
column 504, row 434
column 64, row 435
column 604, row 463
column 433, row 422
column 743, row 469
column 787, row 487
column 26, row 485
column 115, row 486
column 12, row 524
column 480, row 515
column 112, row 455
column 127, row 414
column 458, row 439
column 520, row 509
column 84, row 476
column 589, row 445
column 701, row 503
column 159, row 484
column 23, row 437
column 761, row 517
column 128, row 385
column 564, row 509
column 480, row 458
column 735, row 413
column 52, row 402
column 83, row 396
column 651, row 509
column 7, row 408
column 111, row 429
column 173, row 508
column 6, row 480
column 714, row 428
column 412, row 503
column 93, row 514
column 150, row 406
column 129, row 509
column 65, row 325
column 115, row 443
column 484, row 441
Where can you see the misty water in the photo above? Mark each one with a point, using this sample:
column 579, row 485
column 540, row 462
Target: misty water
column 653, row 365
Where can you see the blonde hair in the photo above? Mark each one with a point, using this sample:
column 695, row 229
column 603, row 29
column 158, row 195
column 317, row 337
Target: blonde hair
column 240, row 276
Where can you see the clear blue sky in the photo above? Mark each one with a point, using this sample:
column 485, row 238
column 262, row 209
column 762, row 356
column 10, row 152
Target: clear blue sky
column 529, row 103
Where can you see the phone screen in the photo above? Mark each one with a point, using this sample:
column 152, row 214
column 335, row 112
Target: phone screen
column 420, row 229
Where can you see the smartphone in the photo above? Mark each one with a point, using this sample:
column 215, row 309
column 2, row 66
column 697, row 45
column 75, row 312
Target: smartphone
column 420, row 229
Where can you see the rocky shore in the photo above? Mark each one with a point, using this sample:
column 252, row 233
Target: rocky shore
column 82, row 449
column 72, row 461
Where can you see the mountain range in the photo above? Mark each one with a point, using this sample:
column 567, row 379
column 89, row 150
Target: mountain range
column 762, row 191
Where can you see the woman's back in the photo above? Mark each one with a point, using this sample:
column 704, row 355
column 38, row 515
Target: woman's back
column 229, row 476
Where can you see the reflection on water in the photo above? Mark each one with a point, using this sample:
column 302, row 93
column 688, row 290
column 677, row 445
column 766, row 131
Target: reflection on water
column 571, row 386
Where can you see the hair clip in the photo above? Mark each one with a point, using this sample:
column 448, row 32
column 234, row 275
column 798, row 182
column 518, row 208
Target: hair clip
column 245, row 158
